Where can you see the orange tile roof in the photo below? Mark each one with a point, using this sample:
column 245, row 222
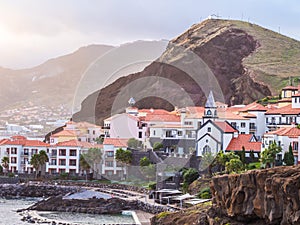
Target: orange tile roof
column 286, row 131
column 117, row 142
column 244, row 140
column 65, row 133
column 290, row 88
column 76, row 143
column 162, row 117
column 285, row 110
column 254, row 107
column 18, row 137
column 225, row 127
column 195, row 112
column 3, row 141
column 27, row 143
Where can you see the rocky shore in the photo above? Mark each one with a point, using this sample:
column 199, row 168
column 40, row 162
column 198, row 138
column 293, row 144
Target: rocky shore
column 35, row 190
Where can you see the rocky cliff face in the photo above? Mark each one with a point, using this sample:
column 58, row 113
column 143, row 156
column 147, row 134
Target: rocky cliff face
column 270, row 195
column 258, row 197
column 210, row 55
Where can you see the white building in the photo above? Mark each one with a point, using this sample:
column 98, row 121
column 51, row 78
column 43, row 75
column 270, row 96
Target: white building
column 110, row 168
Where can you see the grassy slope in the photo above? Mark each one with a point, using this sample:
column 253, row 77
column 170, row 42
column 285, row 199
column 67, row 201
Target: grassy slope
column 277, row 58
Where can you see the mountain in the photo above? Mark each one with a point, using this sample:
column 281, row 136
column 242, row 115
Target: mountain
column 51, row 83
column 239, row 61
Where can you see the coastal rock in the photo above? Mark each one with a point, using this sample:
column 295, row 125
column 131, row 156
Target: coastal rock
column 271, row 195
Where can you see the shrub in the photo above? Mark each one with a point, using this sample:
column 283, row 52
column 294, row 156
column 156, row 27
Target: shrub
column 163, row 214
column 152, row 185
column 205, row 193
column 157, row 145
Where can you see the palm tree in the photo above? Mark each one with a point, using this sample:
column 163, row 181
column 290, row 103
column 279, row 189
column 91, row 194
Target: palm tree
column 5, row 163
column 43, row 158
column 34, row 161
column 84, row 165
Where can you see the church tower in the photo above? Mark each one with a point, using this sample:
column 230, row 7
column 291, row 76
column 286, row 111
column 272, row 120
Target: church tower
column 210, row 112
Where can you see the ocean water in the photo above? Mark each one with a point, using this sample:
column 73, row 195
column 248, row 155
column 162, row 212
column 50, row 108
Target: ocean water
column 9, row 216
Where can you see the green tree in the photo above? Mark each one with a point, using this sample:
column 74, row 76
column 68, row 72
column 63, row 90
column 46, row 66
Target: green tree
column 43, row 159
column 189, row 176
column 207, row 163
column 133, row 143
column 243, row 155
column 34, row 161
column 252, row 157
column 38, row 161
column 84, row 165
column 124, row 157
column 234, row 165
column 99, row 140
column 5, row 163
column 145, row 161
column 94, row 157
column 149, row 171
column 268, row 156
column 157, row 145
column 289, row 157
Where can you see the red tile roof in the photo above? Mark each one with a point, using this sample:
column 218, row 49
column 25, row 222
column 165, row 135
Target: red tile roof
column 254, row 107
column 285, row 110
column 25, row 142
column 76, row 143
column 195, row 112
column 162, row 117
column 65, row 133
column 290, row 88
column 117, row 142
column 225, row 127
column 244, row 140
column 286, row 131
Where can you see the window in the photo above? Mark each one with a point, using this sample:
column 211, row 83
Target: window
column 154, row 133
column 208, row 112
column 52, row 140
column 53, row 162
column 242, row 132
column 233, row 124
column 179, row 133
column 110, row 154
column 62, row 152
column 73, row 152
column 267, row 120
column 13, row 159
column 199, row 124
column 209, row 129
column 295, row 100
column 53, row 152
column 295, row 145
column 94, row 132
column 62, row 162
column 188, row 123
column 109, row 164
column 206, row 150
column 26, row 151
column 72, row 162
column 33, row 151
column 252, row 126
column 243, row 125
column 279, row 143
column 13, row 150
column 140, row 134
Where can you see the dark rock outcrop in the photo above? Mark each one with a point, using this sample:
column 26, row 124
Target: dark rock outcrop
column 25, row 190
column 93, row 205
column 270, row 195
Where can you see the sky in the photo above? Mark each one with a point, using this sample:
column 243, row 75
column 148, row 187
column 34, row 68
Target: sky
column 32, row 31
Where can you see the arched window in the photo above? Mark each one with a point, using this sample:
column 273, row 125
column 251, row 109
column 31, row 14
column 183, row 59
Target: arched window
column 206, row 150
column 208, row 112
